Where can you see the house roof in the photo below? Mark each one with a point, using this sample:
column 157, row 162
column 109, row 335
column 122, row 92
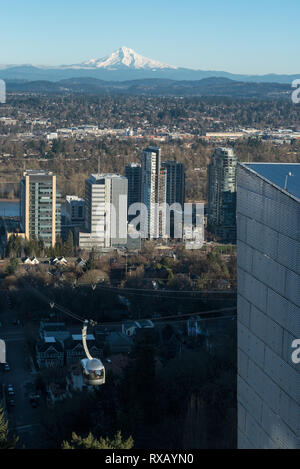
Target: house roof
column 53, row 327
column 43, row 346
column 78, row 337
column 70, row 343
column 80, row 261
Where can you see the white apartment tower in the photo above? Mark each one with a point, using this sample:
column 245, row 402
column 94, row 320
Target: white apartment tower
column 105, row 212
column 153, row 192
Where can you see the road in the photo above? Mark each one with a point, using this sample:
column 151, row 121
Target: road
column 23, row 418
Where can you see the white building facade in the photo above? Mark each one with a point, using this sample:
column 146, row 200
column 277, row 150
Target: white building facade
column 153, row 193
column 105, row 212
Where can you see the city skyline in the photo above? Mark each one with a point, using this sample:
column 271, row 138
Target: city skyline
column 272, row 28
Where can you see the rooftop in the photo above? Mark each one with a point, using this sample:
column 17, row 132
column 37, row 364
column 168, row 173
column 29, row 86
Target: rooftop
column 99, row 178
column 133, row 165
column 285, row 176
column 78, row 337
column 53, row 326
column 74, row 198
column 37, row 172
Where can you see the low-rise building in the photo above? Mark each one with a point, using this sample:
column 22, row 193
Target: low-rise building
column 57, row 330
column 31, row 261
column 74, row 350
column 49, row 353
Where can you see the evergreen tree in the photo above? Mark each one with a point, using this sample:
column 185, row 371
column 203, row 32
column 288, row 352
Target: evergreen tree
column 68, row 248
column 138, row 387
column 58, row 246
column 13, row 266
column 90, row 265
column 6, row 440
column 90, row 442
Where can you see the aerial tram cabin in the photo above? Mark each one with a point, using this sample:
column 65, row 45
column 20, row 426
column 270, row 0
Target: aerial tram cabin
column 93, row 370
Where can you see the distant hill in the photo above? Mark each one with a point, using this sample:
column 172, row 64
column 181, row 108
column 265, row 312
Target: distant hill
column 214, row 86
column 126, row 64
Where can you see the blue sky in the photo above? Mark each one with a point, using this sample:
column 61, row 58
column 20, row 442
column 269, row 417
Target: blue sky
column 240, row 36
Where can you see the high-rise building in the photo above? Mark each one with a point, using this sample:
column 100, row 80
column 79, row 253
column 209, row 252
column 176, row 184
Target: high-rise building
column 105, row 212
column 152, row 190
column 40, row 206
column 268, row 246
column 174, row 195
column 222, row 194
column 75, row 210
column 175, row 182
column 133, row 173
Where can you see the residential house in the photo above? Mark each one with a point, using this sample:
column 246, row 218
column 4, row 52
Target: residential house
column 81, row 262
column 31, row 261
column 53, row 260
column 57, row 330
column 61, row 261
column 58, row 261
column 49, row 353
column 74, row 350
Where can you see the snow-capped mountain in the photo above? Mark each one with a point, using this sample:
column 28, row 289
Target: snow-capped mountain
column 126, row 64
column 124, row 58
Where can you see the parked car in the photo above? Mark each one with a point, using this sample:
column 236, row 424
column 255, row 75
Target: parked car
column 10, row 390
column 11, row 402
column 6, row 367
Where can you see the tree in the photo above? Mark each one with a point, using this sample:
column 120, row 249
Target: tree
column 58, row 246
column 180, row 282
column 90, row 442
column 7, row 441
column 12, row 267
column 68, row 247
column 90, row 265
column 138, row 387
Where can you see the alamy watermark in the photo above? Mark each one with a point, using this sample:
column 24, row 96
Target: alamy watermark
column 2, row 92
column 152, row 221
column 296, row 353
column 296, row 92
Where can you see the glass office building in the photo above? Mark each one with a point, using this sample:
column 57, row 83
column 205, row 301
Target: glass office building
column 222, row 195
